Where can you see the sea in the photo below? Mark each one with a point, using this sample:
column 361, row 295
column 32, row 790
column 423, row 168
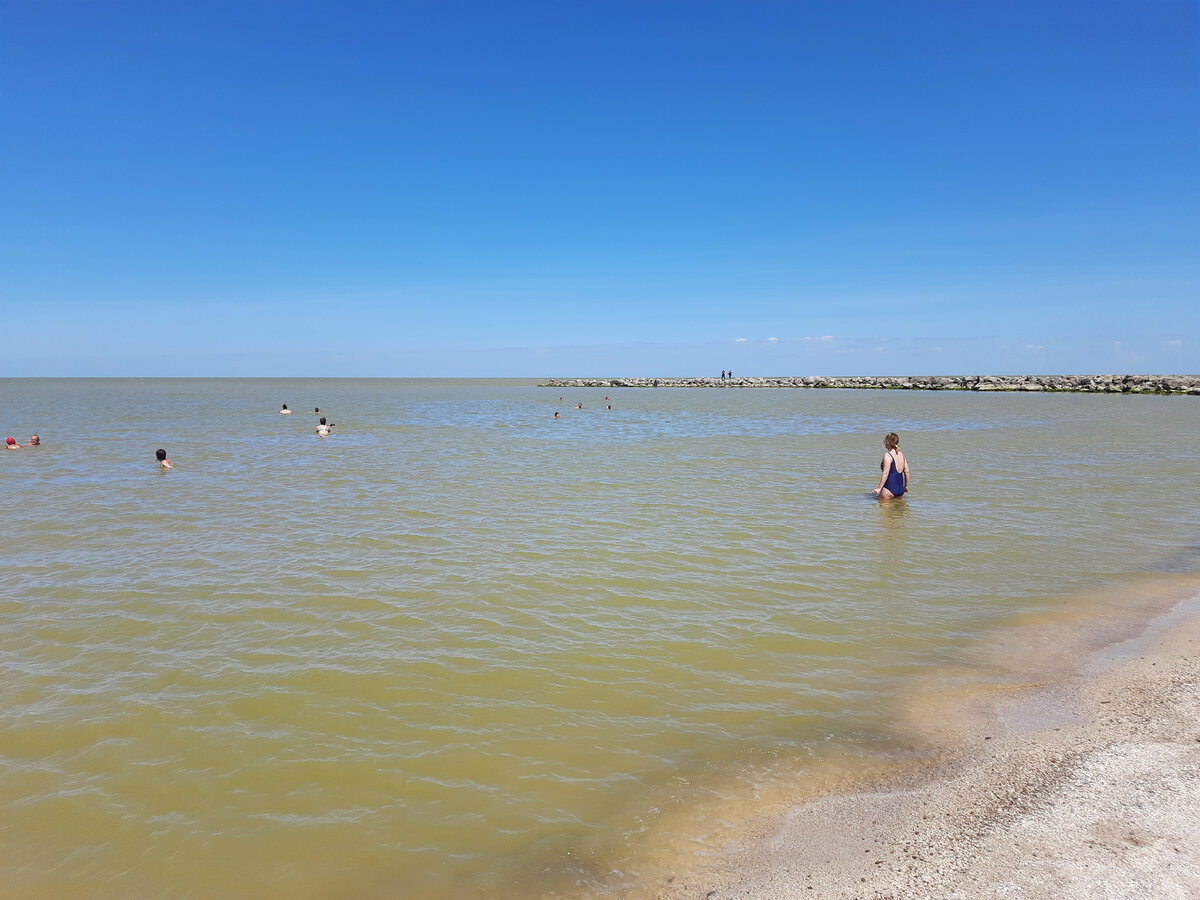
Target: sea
column 460, row 648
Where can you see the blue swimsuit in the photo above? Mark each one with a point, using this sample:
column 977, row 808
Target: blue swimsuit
column 895, row 480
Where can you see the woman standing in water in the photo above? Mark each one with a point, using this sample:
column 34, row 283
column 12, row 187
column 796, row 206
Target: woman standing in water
column 893, row 482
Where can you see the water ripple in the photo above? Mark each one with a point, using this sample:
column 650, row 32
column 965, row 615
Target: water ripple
column 462, row 638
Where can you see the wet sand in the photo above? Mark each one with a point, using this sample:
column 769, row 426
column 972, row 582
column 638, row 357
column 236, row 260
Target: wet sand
column 1081, row 780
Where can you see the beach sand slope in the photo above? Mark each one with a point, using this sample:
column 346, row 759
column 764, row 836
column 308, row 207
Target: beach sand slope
column 1087, row 787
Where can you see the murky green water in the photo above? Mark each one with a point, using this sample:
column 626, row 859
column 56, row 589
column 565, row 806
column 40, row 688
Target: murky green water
column 460, row 648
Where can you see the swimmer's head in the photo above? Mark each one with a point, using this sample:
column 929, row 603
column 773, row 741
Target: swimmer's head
column 285, row 406
column 34, row 439
column 322, row 420
column 10, row 440
column 160, row 455
column 892, row 440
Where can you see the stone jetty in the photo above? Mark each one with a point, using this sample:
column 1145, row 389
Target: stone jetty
column 1087, row 384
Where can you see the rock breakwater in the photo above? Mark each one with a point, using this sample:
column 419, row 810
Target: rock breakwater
column 1089, row 384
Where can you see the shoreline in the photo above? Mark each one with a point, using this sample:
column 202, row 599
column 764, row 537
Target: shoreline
column 1076, row 384
column 1066, row 765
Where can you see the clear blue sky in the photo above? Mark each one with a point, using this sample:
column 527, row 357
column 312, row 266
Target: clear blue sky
column 443, row 188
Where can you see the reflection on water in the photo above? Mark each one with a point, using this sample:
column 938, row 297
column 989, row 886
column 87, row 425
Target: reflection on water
column 460, row 648
column 893, row 522
column 893, row 513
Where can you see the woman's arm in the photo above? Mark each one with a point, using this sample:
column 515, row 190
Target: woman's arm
column 883, row 473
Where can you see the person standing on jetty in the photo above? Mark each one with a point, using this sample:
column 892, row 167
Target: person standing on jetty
column 893, row 482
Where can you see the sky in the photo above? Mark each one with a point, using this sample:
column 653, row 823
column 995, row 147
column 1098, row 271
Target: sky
column 450, row 188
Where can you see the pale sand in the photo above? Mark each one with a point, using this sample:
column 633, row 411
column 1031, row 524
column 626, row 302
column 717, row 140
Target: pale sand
column 1085, row 785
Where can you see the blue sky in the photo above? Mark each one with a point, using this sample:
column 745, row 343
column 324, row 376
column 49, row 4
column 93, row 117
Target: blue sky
column 444, row 188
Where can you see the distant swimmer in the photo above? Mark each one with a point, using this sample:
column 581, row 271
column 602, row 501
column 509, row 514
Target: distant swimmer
column 35, row 441
column 322, row 428
column 11, row 444
column 556, row 415
column 316, row 410
column 579, row 406
column 285, row 411
column 163, row 462
column 893, row 482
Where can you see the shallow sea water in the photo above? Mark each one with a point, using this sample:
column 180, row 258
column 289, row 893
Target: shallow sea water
column 460, row 648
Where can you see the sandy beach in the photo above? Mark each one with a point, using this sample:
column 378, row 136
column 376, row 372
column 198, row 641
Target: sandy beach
column 1082, row 781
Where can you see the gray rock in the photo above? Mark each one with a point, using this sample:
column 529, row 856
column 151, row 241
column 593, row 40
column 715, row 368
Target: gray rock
column 1104, row 384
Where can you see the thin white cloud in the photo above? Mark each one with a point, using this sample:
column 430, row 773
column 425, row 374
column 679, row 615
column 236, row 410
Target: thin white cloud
column 740, row 341
column 772, row 340
column 1035, row 346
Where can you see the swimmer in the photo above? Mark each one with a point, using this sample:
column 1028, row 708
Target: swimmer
column 556, row 415
column 579, row 406
column 163, row 462
column 893, row 482
column 11, row 444
column 34, row 441
column 323, row 429
column 316, row 410
column 285, row 411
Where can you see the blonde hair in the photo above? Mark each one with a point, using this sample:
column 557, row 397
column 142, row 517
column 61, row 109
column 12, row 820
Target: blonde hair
column 892, row 440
